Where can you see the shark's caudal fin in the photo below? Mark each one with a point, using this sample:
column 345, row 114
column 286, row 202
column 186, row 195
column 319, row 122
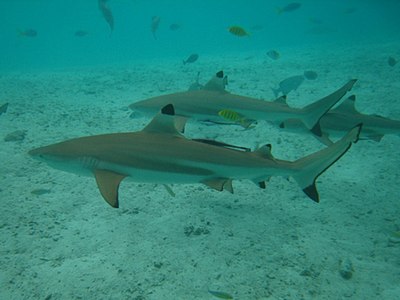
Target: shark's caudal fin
column 312, row 113
column 311, row 166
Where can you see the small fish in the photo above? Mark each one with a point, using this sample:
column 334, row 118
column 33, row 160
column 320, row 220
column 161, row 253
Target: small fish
column 3, row 108
column 107, row 13
column 155, row 22
column 273, row 54
column 310, row 75
column 28, row 33
column 174, row 26
column 238, row 31
column 81, row 33
column 289, row 84
column 235, row 117
column 221, row 295
column 290, row 7
column 391, row 61
column 191, row 59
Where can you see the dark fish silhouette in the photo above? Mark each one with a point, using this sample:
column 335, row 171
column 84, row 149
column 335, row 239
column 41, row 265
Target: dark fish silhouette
column 107, row 14
column 392, row 61
column 155, row 22
column 310, row 75
column 174, row 26
column 3, row 108
column 238, row 31
column 81, row 33
column 273, row 54
column 191, row 59
column 290, row 7
column 28, row 33
column 289, row 84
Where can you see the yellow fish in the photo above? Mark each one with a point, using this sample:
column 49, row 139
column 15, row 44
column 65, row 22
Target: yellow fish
column 235, row 117
column 238, row 31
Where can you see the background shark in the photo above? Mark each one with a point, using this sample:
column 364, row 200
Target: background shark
column 207, row 103
column 344, row 117
column 160, row 154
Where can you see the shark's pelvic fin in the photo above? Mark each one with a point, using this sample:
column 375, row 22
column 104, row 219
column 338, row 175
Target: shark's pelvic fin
column 108, row 183
column 220, row 184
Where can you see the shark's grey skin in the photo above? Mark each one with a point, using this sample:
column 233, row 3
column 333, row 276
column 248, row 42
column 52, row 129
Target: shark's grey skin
column 339, row 120
column 205, row 105
column 160, row 154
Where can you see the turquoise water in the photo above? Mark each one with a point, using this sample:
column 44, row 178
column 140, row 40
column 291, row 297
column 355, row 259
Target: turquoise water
column 65, row 74
column 203, row 29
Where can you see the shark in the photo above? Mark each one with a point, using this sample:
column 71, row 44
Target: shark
column 160, row 153
column 205, row 105
column 342, row 118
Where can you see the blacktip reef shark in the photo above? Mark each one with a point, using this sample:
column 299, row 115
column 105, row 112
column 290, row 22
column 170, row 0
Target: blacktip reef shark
column 161, row 154
column 207, row 103
column 339, row 120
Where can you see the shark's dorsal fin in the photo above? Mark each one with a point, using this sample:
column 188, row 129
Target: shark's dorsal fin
column 348, row 105
column 220, row 184
column 217, row 83
column 264, row 151
column 108, row 183
column 281, row 100
column 167, row 122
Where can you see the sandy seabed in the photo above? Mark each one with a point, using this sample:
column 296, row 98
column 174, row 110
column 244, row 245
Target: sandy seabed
column 60, row 240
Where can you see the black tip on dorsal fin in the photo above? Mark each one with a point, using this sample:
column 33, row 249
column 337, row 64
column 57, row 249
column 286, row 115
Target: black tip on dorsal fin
column 352, row 98
column 220, row 74
column 312, row 192
column 168, row 110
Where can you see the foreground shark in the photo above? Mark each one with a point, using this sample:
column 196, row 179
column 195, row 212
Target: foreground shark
column 344, row 117
column 160, row 154
column 207, row 103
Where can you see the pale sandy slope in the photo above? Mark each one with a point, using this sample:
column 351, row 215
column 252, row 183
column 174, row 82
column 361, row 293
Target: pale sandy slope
column 256, row 244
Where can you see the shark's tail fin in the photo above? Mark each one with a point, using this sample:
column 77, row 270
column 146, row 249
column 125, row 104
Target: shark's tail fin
column 310, row 167
column 313, row 112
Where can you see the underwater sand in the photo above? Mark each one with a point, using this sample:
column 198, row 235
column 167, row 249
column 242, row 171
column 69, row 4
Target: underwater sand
column 60, row 240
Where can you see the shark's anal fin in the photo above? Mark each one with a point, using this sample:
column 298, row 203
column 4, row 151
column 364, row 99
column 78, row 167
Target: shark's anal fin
column 219, row 184
column 108, row 183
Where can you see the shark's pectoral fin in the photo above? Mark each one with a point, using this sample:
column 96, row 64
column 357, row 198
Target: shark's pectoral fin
column 220, row 184
column 108, row 183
